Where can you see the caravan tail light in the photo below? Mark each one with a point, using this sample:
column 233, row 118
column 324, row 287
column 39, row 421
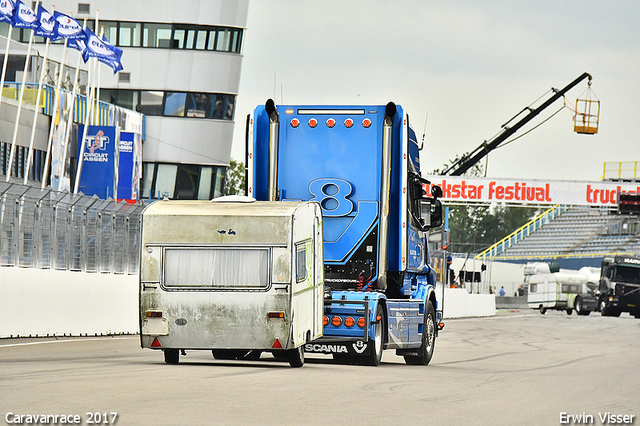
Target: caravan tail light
column 279, row 315
column 154, row 314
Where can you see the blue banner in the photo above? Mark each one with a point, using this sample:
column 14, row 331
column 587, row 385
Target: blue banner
column 48, row 25
column 68, row 27
column 130, row 165
column 100, row 163
column 24, row 17
column 103, row 50
column 6, row 10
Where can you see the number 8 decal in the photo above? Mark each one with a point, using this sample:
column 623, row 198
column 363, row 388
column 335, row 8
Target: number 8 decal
column 332, row 195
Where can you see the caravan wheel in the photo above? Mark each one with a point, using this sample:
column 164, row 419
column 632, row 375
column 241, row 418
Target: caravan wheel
column 543, row 310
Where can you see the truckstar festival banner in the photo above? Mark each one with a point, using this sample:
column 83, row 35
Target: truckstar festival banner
column 487, row 190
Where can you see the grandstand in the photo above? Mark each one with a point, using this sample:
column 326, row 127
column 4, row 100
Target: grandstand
column 576, row 232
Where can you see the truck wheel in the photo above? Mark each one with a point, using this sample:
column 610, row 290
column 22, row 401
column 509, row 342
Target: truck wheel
column 578, row 305
column 569, row 311
column 296, row 356
column 425, row 353
column 377, row 342
column 171, row 356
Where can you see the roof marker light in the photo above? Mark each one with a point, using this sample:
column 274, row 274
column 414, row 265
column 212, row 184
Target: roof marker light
column 331, row 122
column 366, row 123
column 295, row 122
column 313, row 122
column 348, row 123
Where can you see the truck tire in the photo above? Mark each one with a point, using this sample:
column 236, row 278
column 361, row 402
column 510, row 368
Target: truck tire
column 296, row 356
column 171, row 356
column 425, row 352
column 606, row 310
column 377, row 340
column 580, row 307
column 569, row 311
column 543, row 310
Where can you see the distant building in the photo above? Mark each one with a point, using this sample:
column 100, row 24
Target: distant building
column 182, row 63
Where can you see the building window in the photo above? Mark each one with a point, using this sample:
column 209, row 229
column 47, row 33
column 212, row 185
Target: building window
column 182, row 181
column 156, row 35
column 151, row 102
column 110, row 30
column 174, row 104
column 129, row 34
column 217, row 106
column 165, row 180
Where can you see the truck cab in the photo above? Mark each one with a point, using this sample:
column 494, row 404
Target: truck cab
column 361, row 164
column 619, row 289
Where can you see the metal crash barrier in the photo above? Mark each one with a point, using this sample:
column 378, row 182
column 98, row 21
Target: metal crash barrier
column 42, row 228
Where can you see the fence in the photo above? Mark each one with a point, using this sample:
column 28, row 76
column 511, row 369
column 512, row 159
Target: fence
column 42, row 228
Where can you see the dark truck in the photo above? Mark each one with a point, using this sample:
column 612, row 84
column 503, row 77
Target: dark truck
column 619, row 289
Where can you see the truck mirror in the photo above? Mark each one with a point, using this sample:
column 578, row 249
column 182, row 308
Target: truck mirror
column 430, row 213
column 436, row 191
column 436, row 213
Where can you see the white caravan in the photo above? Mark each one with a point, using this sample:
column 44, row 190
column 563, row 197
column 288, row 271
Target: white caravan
column 556, row 290
column 238, row 277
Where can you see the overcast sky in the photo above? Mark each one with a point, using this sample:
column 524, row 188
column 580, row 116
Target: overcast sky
column 469, row 66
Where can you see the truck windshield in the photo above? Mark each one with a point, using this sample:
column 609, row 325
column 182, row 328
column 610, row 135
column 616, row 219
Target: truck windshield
column 627, row 274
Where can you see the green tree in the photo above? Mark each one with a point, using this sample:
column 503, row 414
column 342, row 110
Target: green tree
column 234, row 182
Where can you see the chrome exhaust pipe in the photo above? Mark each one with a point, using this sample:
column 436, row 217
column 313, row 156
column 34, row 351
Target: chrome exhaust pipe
column 385, row 193
column 274, row 130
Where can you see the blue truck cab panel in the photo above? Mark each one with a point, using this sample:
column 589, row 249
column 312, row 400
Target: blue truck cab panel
column 361, row 163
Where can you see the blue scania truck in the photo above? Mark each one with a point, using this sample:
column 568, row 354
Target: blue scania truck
column 361, row 163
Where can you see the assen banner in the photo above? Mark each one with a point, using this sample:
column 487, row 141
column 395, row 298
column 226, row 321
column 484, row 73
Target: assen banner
column 100, row 163
column 130, row 162
column 530, row 191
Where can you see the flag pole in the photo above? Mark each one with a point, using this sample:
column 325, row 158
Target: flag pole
column 87, row 120
column 70, row 121
column 22, row 90
column 4, row 65
column 54, row 114
column 36, row 109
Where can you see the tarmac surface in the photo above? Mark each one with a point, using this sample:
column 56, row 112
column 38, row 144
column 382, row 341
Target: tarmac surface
column 517, row 368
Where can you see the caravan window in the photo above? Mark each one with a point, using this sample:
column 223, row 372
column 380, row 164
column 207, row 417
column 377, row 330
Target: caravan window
column 533, row 288
column 216, row 268
column 571, row 288
column 301, row 263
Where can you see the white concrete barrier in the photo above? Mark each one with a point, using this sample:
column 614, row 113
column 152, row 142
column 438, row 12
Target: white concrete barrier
column 458, row 303
column 42, row 302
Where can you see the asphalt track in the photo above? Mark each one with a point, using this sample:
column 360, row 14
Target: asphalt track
column 517, row 368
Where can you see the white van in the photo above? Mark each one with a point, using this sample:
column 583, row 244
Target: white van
column 238, row 278
column 556, row 290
